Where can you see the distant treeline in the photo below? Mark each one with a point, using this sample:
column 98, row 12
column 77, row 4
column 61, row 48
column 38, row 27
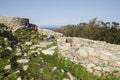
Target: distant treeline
column 95, row 30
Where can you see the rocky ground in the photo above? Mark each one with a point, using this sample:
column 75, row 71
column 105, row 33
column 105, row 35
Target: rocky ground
column 29, row 55
column 96, row 59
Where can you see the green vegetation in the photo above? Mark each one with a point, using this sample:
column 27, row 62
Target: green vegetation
column 28, row 34
column 95, row 30
column 40, row 66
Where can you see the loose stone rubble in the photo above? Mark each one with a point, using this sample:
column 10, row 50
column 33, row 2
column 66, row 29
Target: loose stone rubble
column 98, row 57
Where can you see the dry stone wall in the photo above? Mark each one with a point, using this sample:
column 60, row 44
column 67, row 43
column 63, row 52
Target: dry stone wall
column 50, row 33
column 98, row 57
column 14, row 22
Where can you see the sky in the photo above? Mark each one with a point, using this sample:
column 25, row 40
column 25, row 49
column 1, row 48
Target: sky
column 61, row 12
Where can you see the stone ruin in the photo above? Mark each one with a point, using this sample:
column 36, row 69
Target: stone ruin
column 97, row 57
column 15, row 22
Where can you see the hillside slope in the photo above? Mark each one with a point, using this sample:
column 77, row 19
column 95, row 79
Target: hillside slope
column 34, row 54
column 28, row 53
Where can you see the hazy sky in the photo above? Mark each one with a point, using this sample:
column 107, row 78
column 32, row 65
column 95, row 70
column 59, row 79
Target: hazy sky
column 61, row 12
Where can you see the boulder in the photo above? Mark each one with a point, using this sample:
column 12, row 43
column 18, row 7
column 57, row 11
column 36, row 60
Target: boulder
column 90, row 65
column 98, row 68
column 7, row 67
column 25, row 67
column 71, row 77
column 28, row 43
column 19, row 78
column 83, row 52
column 49, row 51
column 23, row 60
column 9, row 48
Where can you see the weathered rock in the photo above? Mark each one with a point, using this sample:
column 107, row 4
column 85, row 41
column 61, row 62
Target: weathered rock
column 7, row 67
column 41, row 45
column 90, row 70
column 19, row 78
column 5, row 39
column 98, row 68
column 28, row 43
column 83, row 52
column 9, row 48
column 25, row 54
column 71, row 77
column 54, row 69
column 97, row 73
column 93, row 60
column 94, row 52
column 49, row 51
column 25, row 67
column 44, row 43
column 66, row 79
column 104, row 56
column 23, row 60
column 116, row 57
column 107, row 69
column 62, row 71
column 91, row 65
column 103, row 63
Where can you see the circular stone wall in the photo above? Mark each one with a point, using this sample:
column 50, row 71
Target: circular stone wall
column 14, row 22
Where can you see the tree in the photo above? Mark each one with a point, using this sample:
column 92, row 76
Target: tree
column 108, row 24
column 96, row 30
column 115, row 24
